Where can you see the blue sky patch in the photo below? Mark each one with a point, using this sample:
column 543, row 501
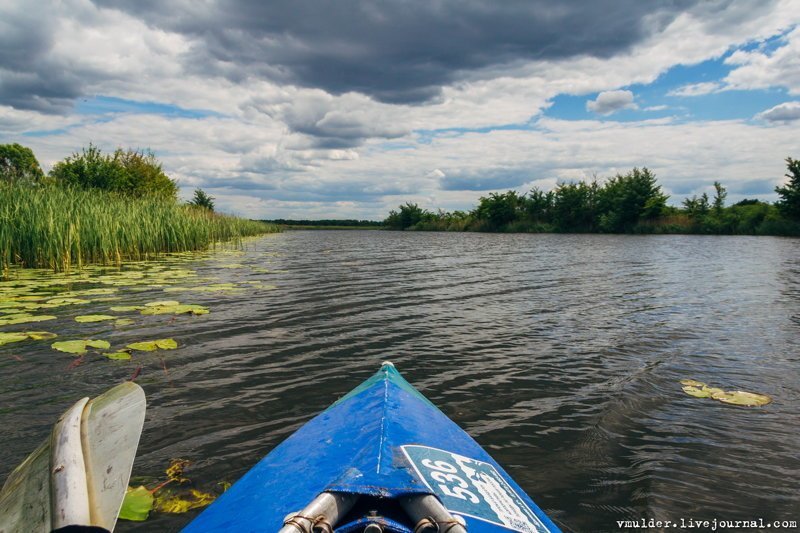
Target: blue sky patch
column 102, row 105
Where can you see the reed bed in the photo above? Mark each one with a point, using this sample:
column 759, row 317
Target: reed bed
column 63, row 228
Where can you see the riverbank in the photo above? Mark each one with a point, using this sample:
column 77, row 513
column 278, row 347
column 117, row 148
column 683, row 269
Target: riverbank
column 629, row 203
column 61, row 228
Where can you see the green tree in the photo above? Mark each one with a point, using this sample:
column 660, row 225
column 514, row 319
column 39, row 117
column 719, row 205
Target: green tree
column 126, row 171
column 409, row 215
column 499, row 209
column 720, row 194
column 625, row 200
column 202, row 200
column 575, row 206
column 696, row 206
column 538, row 205
column 789, row 204
column 17, row 163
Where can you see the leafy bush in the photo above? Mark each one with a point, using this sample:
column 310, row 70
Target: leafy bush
column 131, row 172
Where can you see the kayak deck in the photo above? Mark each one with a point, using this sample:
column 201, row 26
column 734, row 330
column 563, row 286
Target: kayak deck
column 381, row 445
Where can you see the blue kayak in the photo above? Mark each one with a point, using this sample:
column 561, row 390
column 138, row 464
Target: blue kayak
column 382, row 458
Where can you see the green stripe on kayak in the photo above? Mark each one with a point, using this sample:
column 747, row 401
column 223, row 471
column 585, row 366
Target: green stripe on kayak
column 387, row 373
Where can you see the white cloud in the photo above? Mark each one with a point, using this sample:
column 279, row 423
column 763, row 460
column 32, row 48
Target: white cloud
column 786, row 112
column 656, row 108
column 761, row 70
column 611, row 101
column 696, row 89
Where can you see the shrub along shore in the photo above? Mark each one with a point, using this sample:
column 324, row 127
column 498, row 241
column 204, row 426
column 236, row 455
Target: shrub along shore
column 61, row 224
column 629, row 203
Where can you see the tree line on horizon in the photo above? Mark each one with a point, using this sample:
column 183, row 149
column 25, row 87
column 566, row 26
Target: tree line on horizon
column 626, row 203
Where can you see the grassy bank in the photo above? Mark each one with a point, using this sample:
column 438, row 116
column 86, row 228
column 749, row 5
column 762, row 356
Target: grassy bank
column 62, row 228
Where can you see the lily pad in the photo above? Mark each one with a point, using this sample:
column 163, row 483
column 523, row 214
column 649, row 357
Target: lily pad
column 68, row 301
column 79, row 346
column 126, row 308
column 175, row 309
column 16, row 319
column 692, row 383
column 744, row 399
column 40, row 335
column 99, row 291
column 163, row 303
column 137, row 504
column 696, row 392
column 94, row 318
column 8, row 338
column 76, row 347
column 123, row 322
column 151, row 346
column 167, row 344
column 104, row 345
column 118, row 355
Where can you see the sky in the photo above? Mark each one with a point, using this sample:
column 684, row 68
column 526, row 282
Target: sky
column 319, row 109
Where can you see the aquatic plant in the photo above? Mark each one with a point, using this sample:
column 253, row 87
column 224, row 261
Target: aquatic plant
column 151, row 346
column 140, row 501
column 63, row 228
column 698, row 389
column 79, row 347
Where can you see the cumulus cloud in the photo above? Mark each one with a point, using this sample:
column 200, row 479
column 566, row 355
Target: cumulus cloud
column 760, row 69
column 610, row 102
column 786, row 112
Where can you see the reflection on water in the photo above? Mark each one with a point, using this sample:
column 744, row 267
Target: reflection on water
column 561, row 354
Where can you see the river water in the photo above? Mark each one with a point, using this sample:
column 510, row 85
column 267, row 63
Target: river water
column 560, row 354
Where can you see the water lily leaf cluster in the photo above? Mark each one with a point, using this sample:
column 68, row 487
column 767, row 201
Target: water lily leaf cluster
column 80, row 347
column 698, row 389
column 172, row 307
column 118, row 356
column 126, row 308
column 8, row 338
column 140, row 501
column 151, row 346
column 94, row 318
column 24, row 318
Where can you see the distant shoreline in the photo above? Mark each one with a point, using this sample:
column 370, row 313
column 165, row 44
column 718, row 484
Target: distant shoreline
column 304, row 227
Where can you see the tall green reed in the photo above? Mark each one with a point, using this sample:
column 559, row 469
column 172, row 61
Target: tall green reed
column 62, row 228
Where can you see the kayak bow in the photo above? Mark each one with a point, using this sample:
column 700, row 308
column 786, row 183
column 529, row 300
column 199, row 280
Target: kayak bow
column 382, row 458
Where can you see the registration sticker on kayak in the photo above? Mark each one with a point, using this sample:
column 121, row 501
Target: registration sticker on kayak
column 472, row 488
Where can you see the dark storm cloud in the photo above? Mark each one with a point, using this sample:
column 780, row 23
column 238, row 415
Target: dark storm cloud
column 28, row 78
column 396, row 51
column 400, row 51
